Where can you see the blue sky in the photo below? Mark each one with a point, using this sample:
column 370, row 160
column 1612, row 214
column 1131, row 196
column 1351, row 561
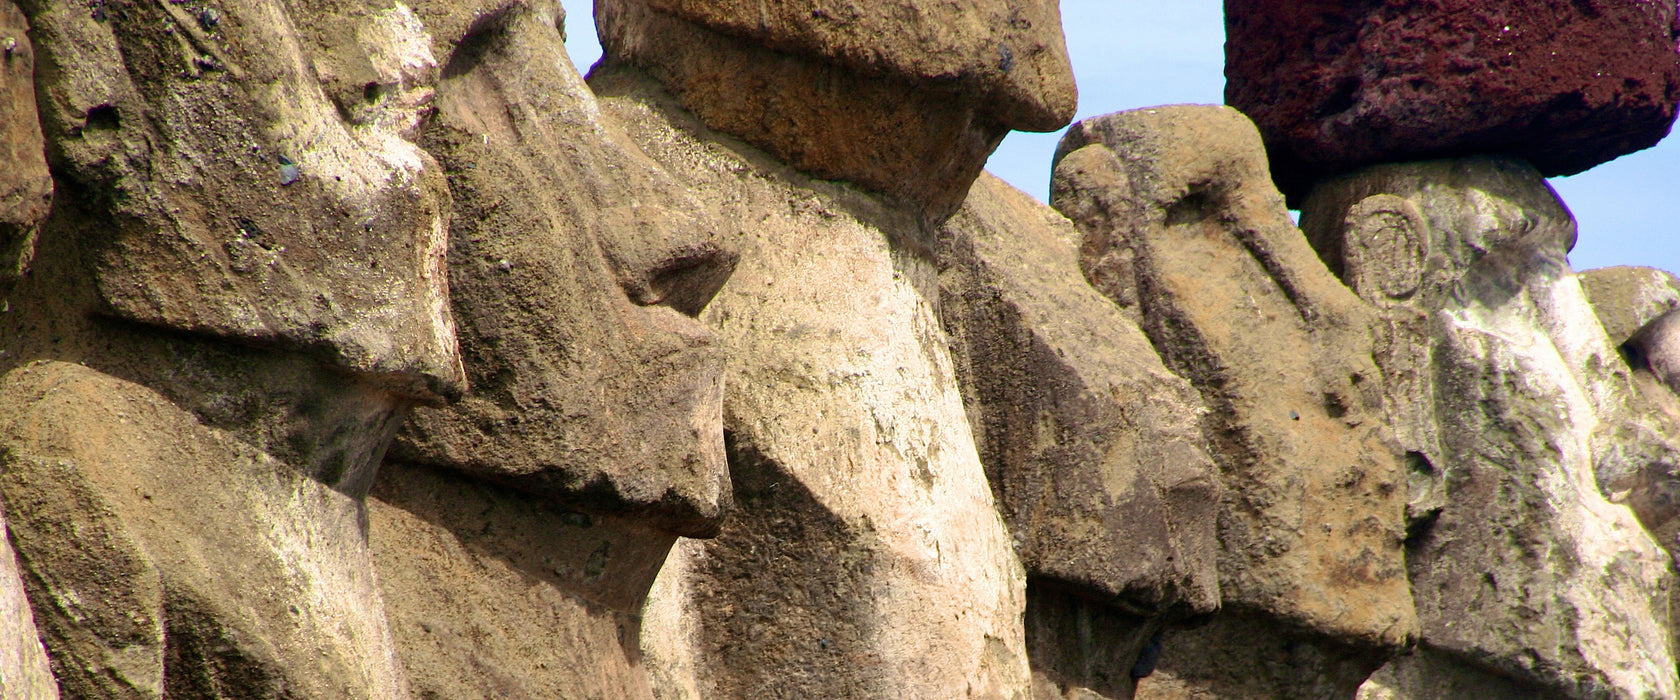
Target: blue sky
column 1142, row 53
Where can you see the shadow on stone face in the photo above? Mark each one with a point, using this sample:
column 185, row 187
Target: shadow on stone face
column 1080, row 645
column 160, row 554
column 789, row 587
column 492, row 593
column 1092, row 447
column 173, row 137
column 1427, row 674
column 841, row 377
column 1244, row 654
column 257, row 244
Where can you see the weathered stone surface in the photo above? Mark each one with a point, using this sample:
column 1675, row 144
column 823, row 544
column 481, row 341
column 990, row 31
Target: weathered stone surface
column 1596, row 583
column 223, row 189
column 1520, row 566
column 1636, row 453
column 918, row 139
column 1627, row 298
column 24, row 672
column 132, row 522
column 864, row 556
column 320, row 421
column 1175, row 203
column 1334, row 85
column 573, row 258
column 1637, row 456
column 1432, row 675
column 1008, row 53
column 495, row 594
column 26, row 188
column 1093, row 449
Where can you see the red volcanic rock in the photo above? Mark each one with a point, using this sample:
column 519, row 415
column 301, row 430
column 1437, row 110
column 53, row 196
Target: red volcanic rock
column 1567, row 84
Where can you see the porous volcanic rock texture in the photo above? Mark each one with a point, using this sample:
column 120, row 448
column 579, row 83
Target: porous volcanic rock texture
column 23, row 662
column 1335, row 85
column 1626, row 298
column 25, row 186
column 1008, row 52
column 1092, row 447
column 164, row 558
column 906, row 99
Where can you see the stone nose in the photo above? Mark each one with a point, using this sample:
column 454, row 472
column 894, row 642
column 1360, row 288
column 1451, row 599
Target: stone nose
column 666, row 253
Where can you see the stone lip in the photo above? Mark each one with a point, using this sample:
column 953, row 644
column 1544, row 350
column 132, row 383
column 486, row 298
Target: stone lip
column 1334, row 86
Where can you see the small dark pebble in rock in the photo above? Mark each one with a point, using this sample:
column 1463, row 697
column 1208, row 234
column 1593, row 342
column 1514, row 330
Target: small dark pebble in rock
column 288, row 172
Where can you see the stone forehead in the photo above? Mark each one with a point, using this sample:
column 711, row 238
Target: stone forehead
column 1011, row 52
column 1172, row 147
column 1461, row 196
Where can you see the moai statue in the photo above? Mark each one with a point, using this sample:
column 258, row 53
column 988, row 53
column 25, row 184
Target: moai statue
column 591, row 433
column 1514, row 407
column 237, row 292
column 1180, row 221
column 864, row 555
column 243, row 288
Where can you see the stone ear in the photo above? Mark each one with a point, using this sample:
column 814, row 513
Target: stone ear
column 1385, row 242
